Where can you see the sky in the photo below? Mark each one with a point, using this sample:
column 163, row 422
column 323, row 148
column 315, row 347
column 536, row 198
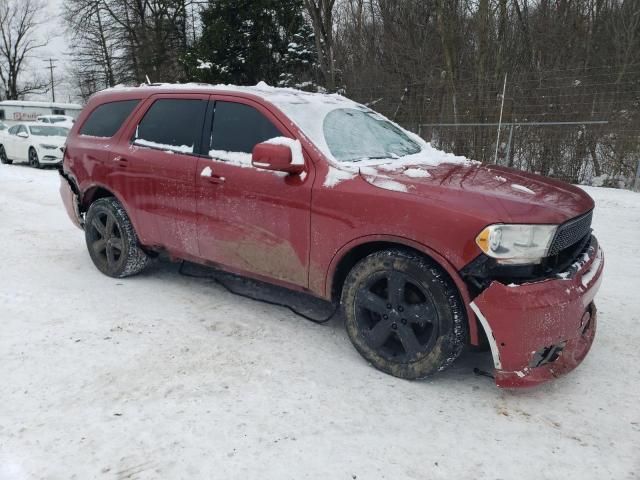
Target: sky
column 57, row 49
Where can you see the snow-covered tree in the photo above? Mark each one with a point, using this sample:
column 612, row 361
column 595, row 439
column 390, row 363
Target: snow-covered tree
column 247, row 41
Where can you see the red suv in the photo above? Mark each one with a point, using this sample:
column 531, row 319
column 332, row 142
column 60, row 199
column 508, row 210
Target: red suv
column 425, row 251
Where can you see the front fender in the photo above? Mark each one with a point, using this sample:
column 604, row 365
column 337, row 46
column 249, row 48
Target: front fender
column 424, row 249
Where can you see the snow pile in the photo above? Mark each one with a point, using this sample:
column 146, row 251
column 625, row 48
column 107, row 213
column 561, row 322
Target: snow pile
column 160, row 146
column 337, row 175
column 296, row 148
column 522, row 188
column 417, row 173
column 240, row 159
column 388, row 184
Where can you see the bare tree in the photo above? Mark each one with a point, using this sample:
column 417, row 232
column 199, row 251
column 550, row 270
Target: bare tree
column 321, row 13
column 96, row 51
column 19, row 21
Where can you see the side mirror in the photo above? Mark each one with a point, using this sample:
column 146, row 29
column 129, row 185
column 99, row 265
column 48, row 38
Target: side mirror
column 270, row 156
column 23, row 134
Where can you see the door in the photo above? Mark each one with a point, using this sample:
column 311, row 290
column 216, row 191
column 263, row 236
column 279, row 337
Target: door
column 154, row 169
column 21, row 144
column 250, row 220
column 9, row 141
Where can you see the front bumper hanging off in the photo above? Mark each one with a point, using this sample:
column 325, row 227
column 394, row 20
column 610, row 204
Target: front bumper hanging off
column 539, row 331
column 69, row 194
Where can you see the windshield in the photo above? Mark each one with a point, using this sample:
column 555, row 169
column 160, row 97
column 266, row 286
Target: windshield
column 354, row 135
column 48, row 131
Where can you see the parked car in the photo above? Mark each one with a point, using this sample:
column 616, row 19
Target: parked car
column 37, row 144
column 3, row 126
column 58, row 120
column 424, row 251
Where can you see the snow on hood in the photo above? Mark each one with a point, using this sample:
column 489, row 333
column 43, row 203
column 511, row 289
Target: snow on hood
column 415, row 166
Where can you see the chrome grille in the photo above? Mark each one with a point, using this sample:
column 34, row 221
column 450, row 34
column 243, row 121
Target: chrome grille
column 570, row 233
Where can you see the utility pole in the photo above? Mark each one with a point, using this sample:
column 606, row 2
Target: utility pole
column 53, row 87
column 504, row 90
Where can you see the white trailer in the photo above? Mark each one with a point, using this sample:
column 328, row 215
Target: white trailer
column 12, row 111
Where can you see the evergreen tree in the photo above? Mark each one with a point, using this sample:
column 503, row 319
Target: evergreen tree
column 247, row 41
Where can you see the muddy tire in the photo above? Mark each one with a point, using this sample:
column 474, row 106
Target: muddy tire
column 3, row 156
column 112, row 241
column 404, row 314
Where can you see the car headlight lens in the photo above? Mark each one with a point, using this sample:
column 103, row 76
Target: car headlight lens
column 48, row 147
column 516, row 244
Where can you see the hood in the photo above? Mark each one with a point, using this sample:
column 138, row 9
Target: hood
column 56, row 141
column 498, row 194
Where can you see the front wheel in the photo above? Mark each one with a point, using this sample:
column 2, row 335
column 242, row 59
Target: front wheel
column 34, row 161
column 403, row 314
column 3, row 156
column 112, row 241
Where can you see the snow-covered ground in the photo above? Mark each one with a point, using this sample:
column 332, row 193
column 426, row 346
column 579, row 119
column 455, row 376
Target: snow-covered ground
column 162, row 376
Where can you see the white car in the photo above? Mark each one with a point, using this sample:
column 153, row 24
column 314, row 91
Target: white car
column 36, row 143
column 58, row 120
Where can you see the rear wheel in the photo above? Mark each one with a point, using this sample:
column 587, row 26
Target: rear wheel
column 112, row 241
column 403, row 314
column 3, row 156
column 34, row 161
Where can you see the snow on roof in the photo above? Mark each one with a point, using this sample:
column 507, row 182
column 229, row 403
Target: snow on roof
column 307, row 110
column 276, row 95
column 21, row 103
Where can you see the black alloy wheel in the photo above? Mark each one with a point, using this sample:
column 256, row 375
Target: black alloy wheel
column 397, row 316
column 112, row 241
column 106, row 240
column 404, row 314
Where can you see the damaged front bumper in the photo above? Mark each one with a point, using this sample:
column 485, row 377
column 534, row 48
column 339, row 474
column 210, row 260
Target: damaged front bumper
column 69, row 194
column 541, row 330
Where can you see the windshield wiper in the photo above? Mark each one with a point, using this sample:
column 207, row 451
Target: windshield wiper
column 384, row 157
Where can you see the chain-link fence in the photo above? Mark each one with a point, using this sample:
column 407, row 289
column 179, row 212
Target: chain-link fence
column 579, row 126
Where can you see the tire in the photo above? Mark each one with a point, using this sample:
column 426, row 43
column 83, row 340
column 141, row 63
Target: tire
column 112, row 241
column 403, row 314
column 3, row 156
column 33, row 158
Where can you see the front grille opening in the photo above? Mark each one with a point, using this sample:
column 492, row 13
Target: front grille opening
column 570, row 233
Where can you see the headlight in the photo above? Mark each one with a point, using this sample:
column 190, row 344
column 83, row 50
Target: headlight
column 516, row 244
column 48, row 147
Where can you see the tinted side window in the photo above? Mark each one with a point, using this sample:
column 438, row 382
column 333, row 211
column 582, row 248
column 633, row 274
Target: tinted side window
column 107, row 119
column 173, row 123
column 239, row 128
column 22, row 129
column 13, row 130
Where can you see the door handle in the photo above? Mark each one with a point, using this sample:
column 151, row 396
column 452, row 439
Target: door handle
column 121, row 161
column 216, row 179
column 211, row 177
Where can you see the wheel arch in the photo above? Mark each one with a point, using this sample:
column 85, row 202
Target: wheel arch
column 351, row 253
column 93, row 193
